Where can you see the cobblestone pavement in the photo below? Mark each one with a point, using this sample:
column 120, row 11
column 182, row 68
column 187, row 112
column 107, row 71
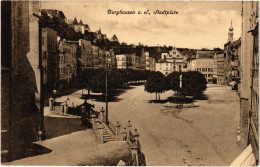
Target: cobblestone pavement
column 204, row 135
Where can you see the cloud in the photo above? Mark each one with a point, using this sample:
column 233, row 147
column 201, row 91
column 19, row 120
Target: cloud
column 198, row 24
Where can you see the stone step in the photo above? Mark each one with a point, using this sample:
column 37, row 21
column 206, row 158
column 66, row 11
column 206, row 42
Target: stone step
column 4, row 156
column 4, row 139
column 107, row 135
column 108, row 140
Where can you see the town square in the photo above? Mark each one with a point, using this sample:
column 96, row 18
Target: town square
column 129, row 83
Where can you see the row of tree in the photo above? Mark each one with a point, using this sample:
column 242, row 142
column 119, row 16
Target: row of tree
column 193, row 83
column 95, row 79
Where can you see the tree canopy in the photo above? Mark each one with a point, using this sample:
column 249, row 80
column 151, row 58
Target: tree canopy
column 193, row 83
column 155, row 83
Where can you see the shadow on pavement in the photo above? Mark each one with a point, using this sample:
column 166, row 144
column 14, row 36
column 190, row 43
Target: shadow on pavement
column 158, row 101
column 58, row 126
column 34, row 150
column 202, row 97
column 112, row 98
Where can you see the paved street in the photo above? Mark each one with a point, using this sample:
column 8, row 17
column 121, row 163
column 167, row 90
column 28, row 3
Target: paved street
column 204, row 135
column 77, row 149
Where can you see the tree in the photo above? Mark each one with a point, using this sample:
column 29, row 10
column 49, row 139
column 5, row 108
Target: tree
column 193, row 83
column 155, row 83
column 98, row 82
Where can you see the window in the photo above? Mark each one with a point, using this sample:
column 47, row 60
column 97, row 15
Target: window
column 209, row 75
column 210, row 69
column 205, row 75
column 198, row 69
column 204, row 69
column 44, row 56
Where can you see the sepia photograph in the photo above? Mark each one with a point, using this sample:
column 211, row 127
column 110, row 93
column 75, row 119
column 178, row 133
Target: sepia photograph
column 129, row 83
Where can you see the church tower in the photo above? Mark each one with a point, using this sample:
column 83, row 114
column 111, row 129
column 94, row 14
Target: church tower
column 230, row 33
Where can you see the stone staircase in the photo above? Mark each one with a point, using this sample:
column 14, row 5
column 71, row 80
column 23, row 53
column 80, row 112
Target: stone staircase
column 107, row 135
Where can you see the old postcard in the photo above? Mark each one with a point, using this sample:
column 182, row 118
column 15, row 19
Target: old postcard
column 129, row 83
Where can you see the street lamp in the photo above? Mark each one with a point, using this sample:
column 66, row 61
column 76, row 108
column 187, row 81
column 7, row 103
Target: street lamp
column 54, row 93
column 106, row 89
column 107, row 67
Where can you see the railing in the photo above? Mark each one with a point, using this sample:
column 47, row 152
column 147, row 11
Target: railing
column 95, row 129
column 132, row 161
column 112, row 127
column 131, row 138
column 254, row 131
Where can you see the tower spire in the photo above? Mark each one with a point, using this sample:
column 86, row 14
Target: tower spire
column 230, row 33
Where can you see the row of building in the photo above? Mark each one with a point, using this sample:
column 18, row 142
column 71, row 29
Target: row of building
column 63, row 59
column 218, row 66
column 248, row 88
column 30, row 60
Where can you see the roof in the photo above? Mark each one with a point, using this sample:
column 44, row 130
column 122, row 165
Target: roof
column 81, row 23
column 208, row 54
column 236, row 43
column 162, row 61
column 54, row 12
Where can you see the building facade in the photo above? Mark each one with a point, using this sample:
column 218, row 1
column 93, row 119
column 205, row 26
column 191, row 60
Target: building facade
column 94, row 60
column 67, row 60
column 164, row 67
column 50, row 57
column 232, row 51
column 249, row 87
column 176, row 59
column 85, row 53
column 21, row 78
column 205, row 64
column 221, row 80
column 107, row 57
column 125, row 61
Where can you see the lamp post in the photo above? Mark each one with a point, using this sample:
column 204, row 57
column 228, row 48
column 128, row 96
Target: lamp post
column 106, row 89
column 54, row 93
column 107, row 68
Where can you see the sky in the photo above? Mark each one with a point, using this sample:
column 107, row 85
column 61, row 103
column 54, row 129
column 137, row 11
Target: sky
column 197, row 24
